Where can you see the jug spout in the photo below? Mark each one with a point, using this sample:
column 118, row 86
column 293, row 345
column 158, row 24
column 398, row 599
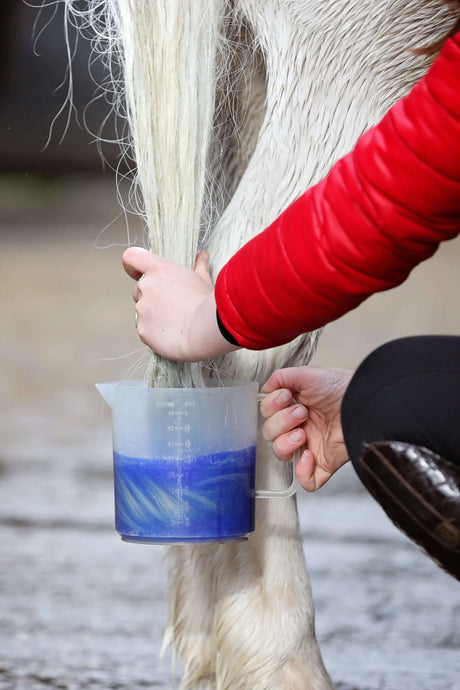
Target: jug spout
column 107, row 391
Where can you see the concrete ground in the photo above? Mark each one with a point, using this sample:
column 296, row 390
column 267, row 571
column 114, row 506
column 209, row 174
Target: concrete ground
column 79, row 608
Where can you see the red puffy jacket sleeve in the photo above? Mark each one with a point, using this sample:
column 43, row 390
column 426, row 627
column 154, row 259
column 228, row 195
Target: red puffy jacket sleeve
column 381, row 210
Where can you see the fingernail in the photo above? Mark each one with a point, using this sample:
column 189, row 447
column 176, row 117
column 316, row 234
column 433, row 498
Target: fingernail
column 300, row 412
column 295, row 436
column 284, row 396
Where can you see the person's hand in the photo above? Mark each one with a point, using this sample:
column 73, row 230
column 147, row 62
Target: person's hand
column 175, row 307
column 313, row 421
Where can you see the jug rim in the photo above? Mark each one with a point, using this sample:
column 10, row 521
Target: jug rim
column 210, row 384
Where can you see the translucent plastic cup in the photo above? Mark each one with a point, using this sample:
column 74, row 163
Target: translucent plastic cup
column 185, row 461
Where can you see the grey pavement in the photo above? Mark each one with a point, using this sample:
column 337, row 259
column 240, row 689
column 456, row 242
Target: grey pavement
column 81, row 609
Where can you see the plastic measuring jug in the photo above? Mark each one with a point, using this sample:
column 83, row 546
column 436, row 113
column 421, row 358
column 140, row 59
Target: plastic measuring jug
column 184, row 461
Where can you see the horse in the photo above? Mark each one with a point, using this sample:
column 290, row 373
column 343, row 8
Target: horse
column 234, row 108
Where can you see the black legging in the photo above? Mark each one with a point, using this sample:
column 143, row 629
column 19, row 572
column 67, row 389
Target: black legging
column 407, row 390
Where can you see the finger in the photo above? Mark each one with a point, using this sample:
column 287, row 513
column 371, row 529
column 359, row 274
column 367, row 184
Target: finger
column 202, row 266
column 283, row 421
column 142, row 323
column 285, row 445
column 288, row 377
column 136, row 292
column 277, row 400
column 136, row 261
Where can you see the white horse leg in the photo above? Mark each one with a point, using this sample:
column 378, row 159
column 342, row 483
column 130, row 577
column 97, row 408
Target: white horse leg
column 192, row 611
column 332, row 68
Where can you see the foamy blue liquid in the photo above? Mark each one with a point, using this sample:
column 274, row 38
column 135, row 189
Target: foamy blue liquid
column 207, row 498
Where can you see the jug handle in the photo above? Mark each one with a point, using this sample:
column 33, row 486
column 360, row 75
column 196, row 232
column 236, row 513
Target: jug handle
column 292, row 488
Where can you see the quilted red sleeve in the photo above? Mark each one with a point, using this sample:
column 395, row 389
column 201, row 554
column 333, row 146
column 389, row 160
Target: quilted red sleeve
column 382, row 209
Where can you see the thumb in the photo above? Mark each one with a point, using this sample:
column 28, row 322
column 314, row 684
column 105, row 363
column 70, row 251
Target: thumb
column 202, row 266
column 136, row 261
column 306, row 471
column 310, row 475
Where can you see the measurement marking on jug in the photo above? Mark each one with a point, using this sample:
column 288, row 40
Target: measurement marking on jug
column 179, row 444
column 180, row 495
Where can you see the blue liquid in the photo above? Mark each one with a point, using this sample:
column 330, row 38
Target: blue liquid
column 207, row 498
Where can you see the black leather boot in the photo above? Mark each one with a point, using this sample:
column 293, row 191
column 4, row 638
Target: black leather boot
column 420, row 493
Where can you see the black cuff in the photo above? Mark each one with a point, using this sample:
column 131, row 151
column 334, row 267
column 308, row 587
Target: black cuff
column 227, row 335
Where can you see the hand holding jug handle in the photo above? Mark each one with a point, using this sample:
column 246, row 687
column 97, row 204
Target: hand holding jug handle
column 292, row 488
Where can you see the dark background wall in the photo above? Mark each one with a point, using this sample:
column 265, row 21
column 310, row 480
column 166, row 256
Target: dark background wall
column 33, row 88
